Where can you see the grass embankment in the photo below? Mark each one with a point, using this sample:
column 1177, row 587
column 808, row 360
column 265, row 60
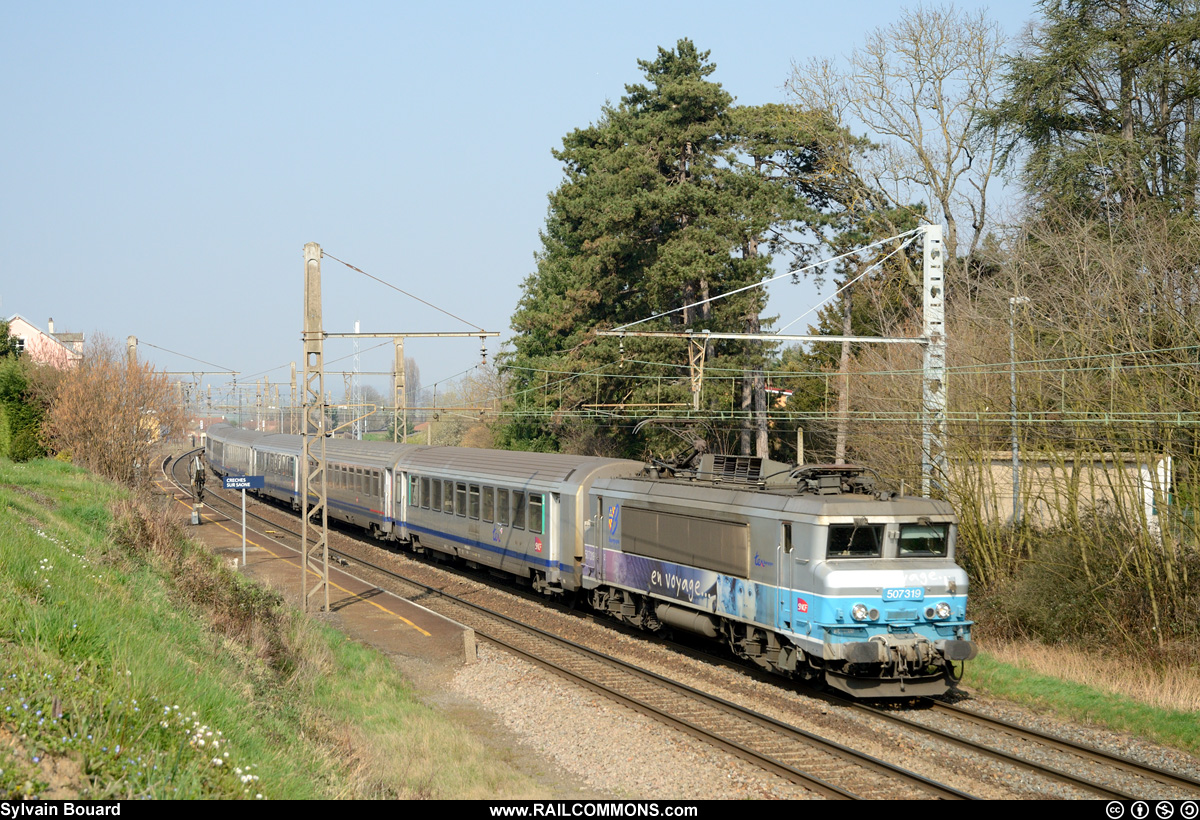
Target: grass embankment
column 133, row 664
column 1121, row 693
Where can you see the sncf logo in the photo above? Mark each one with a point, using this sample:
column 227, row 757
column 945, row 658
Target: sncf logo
column 801, row 605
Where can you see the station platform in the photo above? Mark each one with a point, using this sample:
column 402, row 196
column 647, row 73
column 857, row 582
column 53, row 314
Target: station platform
column 366, row 613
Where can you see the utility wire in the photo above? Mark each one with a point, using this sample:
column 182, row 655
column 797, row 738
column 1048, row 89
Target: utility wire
column 398, row 290
column 833, row 295
column 184, row 355
column 766, row 282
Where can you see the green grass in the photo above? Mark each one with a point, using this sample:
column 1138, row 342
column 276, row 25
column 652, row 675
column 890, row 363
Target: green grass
column 133, row 665
column 1075, row 701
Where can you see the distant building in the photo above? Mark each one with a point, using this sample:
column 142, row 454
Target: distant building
column 59, row 350
column 1057, row 487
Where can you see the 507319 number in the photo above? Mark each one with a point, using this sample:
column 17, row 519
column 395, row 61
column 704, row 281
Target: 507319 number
column 904, row 594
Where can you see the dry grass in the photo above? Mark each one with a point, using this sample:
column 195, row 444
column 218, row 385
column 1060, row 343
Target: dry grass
column 1166, row 686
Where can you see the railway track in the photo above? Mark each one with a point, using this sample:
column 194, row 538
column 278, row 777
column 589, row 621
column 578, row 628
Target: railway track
column 1078, row 765
column 825, row 767
column 1067, row 761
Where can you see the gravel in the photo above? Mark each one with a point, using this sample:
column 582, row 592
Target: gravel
column 609, row 750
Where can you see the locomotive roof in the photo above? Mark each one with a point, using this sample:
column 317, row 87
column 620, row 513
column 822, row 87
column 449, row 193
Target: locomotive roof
column 708, row 496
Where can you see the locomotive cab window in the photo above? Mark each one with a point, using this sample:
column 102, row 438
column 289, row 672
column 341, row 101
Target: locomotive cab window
column 855, row 541
column 924, row 540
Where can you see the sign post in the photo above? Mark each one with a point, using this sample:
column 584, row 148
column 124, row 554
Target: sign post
column 243, row 483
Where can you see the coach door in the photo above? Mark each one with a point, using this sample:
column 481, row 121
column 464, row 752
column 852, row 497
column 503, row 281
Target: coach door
column 386, row 478
column 593, row 532
column 557, row 551
column 399, row 503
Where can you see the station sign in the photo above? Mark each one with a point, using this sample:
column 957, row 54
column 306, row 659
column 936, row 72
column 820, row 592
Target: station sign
column 245, row 482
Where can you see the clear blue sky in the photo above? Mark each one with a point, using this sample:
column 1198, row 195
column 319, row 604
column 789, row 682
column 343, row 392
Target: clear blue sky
column 163, row 164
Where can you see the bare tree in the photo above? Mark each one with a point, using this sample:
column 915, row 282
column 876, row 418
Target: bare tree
column 918, row 86
column 110, row 410
column 462, row 408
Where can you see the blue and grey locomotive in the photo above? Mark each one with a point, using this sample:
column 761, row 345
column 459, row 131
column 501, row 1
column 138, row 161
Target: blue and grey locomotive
column 807, row 571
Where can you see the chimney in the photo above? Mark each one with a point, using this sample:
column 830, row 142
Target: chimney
column 50, row 325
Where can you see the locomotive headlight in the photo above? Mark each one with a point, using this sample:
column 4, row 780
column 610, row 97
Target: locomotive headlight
column 940, row 612
column 859, row 612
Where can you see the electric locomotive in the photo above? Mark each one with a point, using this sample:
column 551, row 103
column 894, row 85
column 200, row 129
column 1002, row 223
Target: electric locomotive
column 805, row 571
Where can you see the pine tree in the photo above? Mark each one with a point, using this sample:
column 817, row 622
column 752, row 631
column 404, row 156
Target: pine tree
column 1102, row 105
column 674, row 198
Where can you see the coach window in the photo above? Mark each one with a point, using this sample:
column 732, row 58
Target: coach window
column 518, row 519
column 536, row 502
column 473, row 502
column 460, row 499
column 414, row 491
column 489, row 499
column 435, row 502
column 502, row 507
column 424, row 493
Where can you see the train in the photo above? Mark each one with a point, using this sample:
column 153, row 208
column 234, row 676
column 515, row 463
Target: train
column 806, row 571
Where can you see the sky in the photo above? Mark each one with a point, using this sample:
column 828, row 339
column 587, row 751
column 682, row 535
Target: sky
column 162, row 165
